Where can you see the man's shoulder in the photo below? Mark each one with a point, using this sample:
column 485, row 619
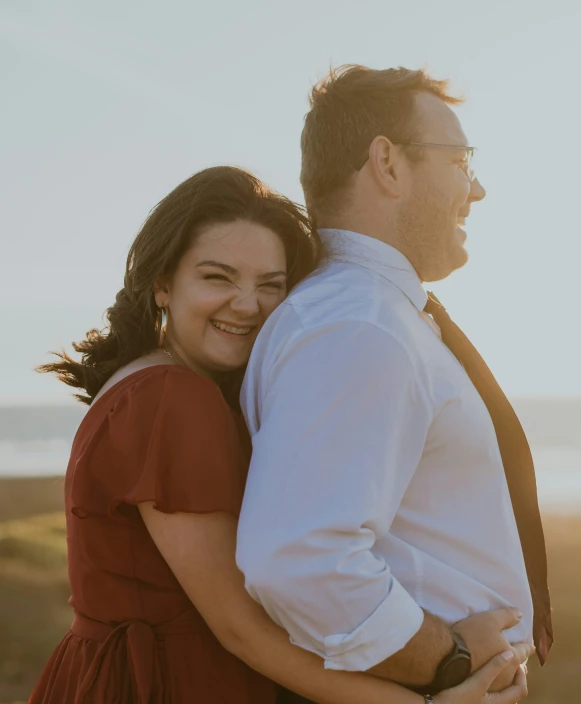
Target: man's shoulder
column 343, row 293
column 336, row 293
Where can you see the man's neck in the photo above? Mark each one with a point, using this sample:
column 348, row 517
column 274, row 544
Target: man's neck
column 361, row 225
column 369, row 230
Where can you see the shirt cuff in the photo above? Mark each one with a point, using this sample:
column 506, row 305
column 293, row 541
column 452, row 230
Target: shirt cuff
column 395, row 621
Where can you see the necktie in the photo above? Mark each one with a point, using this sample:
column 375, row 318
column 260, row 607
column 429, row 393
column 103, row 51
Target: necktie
column 518, row 468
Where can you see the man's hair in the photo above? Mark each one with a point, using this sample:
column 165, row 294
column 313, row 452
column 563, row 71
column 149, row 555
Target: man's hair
column 349, row 108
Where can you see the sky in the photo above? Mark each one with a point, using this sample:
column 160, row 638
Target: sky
column 107, row 106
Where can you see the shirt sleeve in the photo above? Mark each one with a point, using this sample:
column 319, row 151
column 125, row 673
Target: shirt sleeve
column 343, row 424
column 170, row 439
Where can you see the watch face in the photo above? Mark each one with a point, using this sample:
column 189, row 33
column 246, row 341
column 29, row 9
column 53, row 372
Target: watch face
column 457, row 670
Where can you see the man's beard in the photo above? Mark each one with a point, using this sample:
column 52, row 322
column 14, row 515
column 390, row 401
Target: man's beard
column 429, row 239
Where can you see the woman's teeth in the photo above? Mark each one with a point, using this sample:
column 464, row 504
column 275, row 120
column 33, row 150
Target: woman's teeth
column 230, row 328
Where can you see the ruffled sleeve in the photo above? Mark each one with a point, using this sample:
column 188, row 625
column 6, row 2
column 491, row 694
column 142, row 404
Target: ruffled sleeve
column 169, row 438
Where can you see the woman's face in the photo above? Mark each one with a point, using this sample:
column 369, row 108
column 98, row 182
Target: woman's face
column 225, row 287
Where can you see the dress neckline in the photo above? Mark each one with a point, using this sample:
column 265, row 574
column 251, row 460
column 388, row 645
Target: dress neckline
column 138, row 372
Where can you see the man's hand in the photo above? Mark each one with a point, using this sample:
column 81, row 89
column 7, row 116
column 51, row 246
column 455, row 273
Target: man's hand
column 484, row 636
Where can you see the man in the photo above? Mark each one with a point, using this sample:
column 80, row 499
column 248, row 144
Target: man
column 388, row 468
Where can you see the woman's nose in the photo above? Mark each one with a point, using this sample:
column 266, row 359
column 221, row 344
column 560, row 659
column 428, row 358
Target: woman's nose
column 245, row 303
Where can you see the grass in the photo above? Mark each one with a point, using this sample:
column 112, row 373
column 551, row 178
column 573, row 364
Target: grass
column 34, row 589
column 36, row 543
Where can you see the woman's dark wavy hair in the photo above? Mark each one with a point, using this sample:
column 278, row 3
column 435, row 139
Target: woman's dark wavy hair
column 220, row 194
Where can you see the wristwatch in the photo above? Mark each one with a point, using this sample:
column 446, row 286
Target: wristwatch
column 452, row 671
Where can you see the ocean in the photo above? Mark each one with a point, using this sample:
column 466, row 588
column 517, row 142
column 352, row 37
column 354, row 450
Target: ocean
column 36, row 441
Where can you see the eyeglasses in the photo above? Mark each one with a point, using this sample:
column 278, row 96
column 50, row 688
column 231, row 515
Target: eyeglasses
column 466, row 163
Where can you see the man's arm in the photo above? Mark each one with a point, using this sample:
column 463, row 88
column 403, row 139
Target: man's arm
column 342, row 429
column 415, row 665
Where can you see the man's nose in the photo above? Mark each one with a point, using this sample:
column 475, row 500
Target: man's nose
column 477, row 191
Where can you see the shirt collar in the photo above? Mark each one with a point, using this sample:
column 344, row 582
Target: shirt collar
column 378, row 256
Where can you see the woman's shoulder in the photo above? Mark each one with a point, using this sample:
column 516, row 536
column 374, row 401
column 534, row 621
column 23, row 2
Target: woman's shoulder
column 162, row 434
column 162, row 391
column 165, row 383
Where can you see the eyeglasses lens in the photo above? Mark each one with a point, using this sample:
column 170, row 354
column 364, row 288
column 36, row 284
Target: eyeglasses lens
column 470, row 165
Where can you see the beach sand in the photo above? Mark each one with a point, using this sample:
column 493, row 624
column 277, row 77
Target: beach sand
column 34, row 614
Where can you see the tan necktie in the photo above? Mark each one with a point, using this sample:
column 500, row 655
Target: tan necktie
column 518, row 468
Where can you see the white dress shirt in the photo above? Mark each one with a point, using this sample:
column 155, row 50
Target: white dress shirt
column 376, row 485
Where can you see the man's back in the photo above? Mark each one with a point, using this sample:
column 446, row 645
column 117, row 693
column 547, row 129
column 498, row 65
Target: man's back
column 376, row 485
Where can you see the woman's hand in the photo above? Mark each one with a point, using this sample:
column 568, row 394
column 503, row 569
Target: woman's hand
column 475, row 689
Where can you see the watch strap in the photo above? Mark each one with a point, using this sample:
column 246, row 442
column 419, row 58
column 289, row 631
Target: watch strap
column 460, row 643
column 438, row 683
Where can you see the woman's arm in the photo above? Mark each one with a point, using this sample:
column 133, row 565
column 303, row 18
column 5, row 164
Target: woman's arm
column 200, row 550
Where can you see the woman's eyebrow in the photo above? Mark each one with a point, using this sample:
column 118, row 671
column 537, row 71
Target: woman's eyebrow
column 272, row 274
column 226, row 267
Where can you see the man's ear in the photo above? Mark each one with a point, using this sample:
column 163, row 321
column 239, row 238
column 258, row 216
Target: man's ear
column 161, row 292
column 386, row 166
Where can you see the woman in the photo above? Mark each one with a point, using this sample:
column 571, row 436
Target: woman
column 157, row 470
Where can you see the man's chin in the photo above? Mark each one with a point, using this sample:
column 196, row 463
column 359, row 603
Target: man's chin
column 456, row 260
column 460, row 258
column 461, row 235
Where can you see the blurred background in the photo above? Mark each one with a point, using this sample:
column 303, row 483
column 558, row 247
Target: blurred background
column 107, row 106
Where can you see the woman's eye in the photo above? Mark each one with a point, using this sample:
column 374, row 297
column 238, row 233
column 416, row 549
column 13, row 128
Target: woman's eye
column 216, row 277
column 273, row 286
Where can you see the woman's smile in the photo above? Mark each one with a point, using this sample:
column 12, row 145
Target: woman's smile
column 232, row 328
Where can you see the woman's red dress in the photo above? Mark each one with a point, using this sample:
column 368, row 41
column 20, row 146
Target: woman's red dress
column 162, row 434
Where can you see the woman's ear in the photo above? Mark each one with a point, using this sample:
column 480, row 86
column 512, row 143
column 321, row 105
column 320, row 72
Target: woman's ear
column 161, row 292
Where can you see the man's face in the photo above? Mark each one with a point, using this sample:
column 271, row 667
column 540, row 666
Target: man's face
column 439, row 196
